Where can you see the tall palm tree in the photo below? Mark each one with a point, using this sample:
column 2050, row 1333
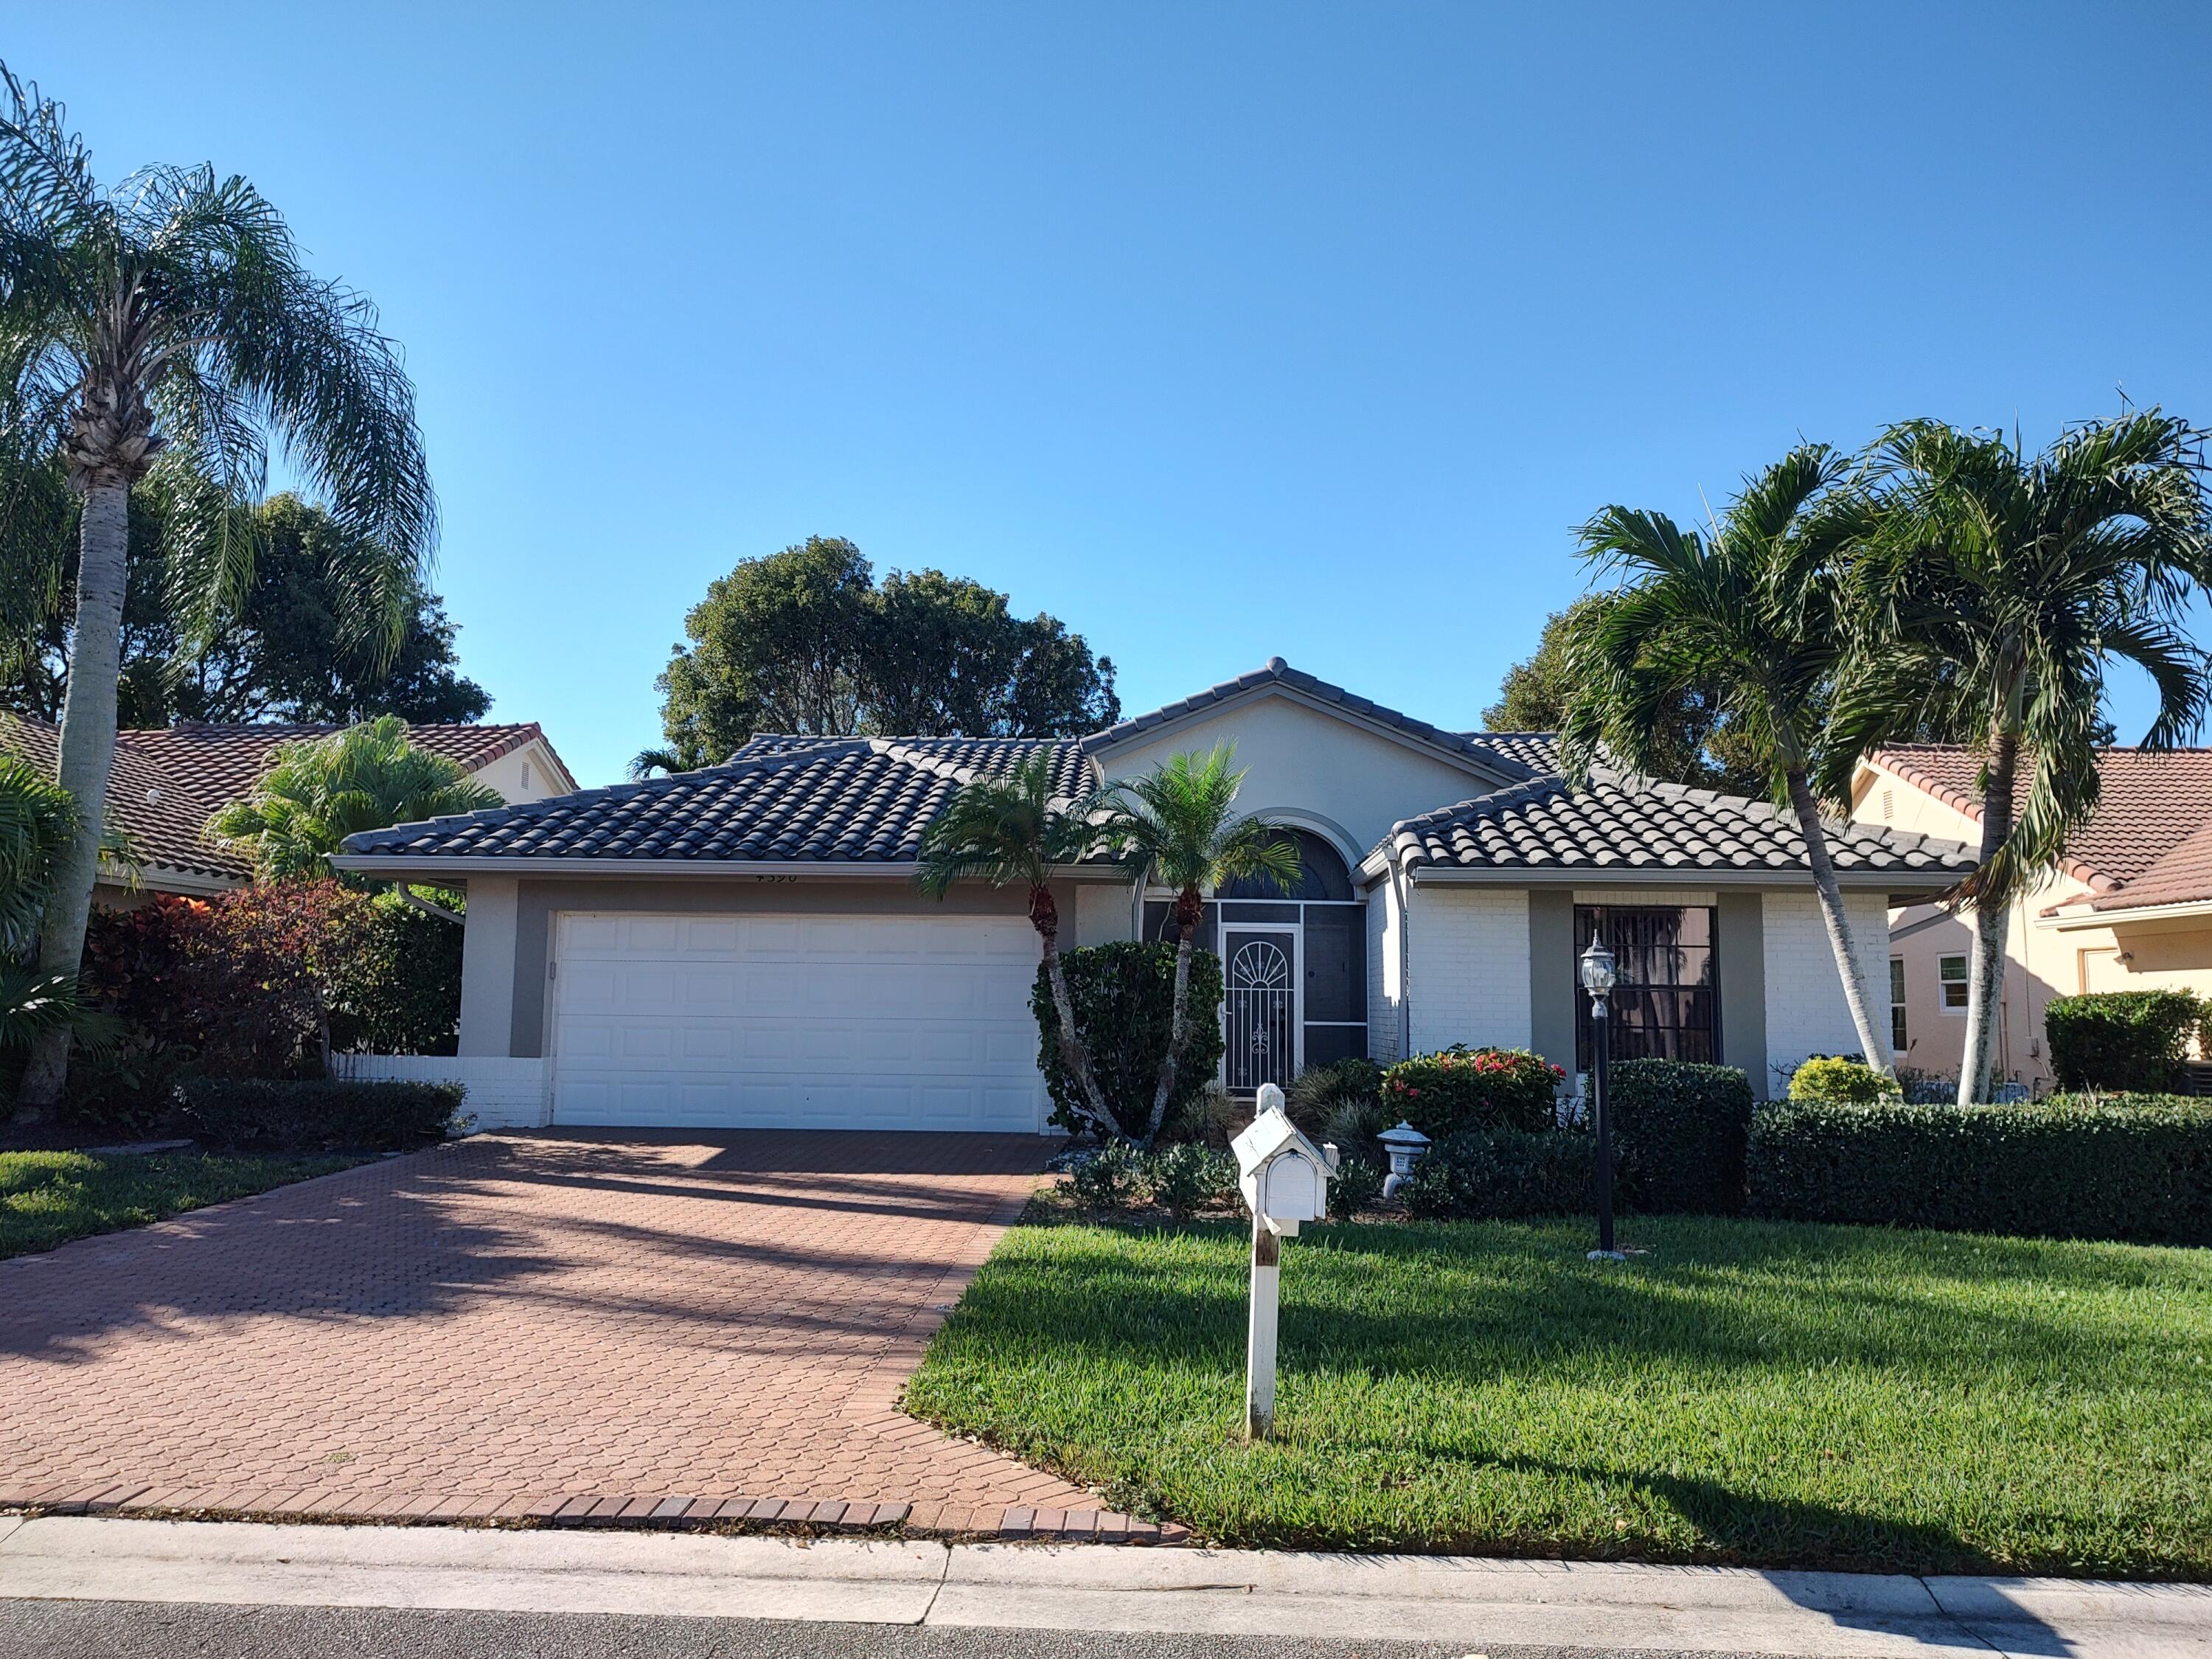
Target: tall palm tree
column 1754, row 613
column 2004, row 587
column 1012, row 829
column 312, row 795
column 167, row 322
column 1177, row 827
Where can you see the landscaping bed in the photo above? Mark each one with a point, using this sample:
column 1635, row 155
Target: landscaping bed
column 1764, row 1393
column 48, row 1199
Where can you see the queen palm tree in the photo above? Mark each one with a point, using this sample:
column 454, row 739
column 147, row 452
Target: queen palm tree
column 1012, row 828
column 2003, row 588
column 1753, row 613
column 1177, row 827
column 166, row 323
column 312, row 795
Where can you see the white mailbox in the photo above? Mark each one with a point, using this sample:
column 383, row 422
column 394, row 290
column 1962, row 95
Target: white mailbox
column 1284, row 1175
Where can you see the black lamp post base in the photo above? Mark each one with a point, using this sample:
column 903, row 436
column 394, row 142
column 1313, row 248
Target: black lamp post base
column 1606, row 1255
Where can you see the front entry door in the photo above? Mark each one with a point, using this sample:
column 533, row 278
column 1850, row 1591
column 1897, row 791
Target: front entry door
column 1262, row 1011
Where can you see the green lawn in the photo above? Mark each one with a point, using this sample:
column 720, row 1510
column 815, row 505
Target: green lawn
column 49, row 1198
column 1768, row 1393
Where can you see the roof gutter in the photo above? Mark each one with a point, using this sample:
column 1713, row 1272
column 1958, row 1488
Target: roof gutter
column 2073, row 920
column 1887, row 881
column 433, row 868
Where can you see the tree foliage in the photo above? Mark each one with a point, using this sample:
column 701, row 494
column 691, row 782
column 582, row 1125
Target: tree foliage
column 284, row 652
column 806, row 640
column 312, row 795
column 1694, row 742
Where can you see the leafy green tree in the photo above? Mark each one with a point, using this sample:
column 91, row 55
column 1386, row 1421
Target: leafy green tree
column 1177, row 827
column 1011, row 829
column 285, row 653
column 805, row 640
column 1753, row 617
column 1998, row 590
column 1693, row 742
column 167, row 321
column 36, row 820
column 313, row 795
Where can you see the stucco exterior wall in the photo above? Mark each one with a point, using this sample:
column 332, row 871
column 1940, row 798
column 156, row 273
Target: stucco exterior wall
column 1469, row 967
column 1102, row 914
column 1806, row 1012
column 525, row 775
column 1314, row 770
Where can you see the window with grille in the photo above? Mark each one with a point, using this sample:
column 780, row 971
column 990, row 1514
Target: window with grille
column 1665, row 1001
column 1951, row 975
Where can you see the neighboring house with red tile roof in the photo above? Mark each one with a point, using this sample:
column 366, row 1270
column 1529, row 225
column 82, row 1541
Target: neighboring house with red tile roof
column 2130, row 907
column 166, row 784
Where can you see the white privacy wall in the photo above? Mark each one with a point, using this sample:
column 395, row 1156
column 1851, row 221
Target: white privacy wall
column 1806, row 1014
column 1470, row 967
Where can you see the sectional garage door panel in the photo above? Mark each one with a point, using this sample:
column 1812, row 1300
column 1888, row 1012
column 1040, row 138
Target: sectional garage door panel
column 783, row 1021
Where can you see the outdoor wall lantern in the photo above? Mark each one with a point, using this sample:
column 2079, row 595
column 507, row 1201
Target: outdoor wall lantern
column 1285, row 1178
column 1404, row 1145
column 1596, row 968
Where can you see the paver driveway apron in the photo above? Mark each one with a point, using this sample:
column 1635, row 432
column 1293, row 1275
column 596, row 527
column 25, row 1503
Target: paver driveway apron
column 524, row 1315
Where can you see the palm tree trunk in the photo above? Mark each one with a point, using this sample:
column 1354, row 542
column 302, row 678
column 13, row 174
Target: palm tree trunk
column 87, row 750
column 1179, row 1024
column 1986, row 968
column 1873, row 1038
column 1044, row 917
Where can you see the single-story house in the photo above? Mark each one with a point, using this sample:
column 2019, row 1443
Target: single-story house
column 2130, row 907
column 167, row 782
column 744, row 945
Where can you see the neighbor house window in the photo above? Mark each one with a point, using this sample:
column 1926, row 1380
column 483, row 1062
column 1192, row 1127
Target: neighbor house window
column 1897, row 1041
column 1665, row 1000
column 1951, row 974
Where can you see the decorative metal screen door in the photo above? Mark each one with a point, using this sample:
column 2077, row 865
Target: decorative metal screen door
column 1262, row 1014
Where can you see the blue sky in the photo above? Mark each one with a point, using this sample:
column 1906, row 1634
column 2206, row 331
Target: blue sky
column 1218, row 331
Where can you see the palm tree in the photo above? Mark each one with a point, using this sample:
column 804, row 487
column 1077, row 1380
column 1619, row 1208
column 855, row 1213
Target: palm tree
column 644, row 764
column 1177, row 827
column 1011, row 829
column 167, row 322
column 312, row 795
column 37, row 819
column 2005, row 586
column 1753, row 613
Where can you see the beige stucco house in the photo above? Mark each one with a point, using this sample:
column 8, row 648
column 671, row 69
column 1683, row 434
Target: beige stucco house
column 744, row 945
column 2130, row 908
column 167, row 782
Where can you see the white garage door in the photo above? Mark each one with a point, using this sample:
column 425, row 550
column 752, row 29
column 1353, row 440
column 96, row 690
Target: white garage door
column 796, row 1021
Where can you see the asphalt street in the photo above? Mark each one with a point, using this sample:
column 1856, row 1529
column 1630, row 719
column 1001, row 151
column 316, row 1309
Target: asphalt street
column 137, row 1629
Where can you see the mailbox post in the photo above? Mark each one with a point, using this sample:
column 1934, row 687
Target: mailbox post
column 1285, row 1178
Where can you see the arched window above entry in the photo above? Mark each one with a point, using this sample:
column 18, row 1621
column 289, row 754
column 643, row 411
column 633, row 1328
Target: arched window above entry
column 1321, row 874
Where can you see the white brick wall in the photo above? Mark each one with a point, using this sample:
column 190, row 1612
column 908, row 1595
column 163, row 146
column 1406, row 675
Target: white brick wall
column 1470, row 967
column 1806, row 1014
column 1381, row 974
column 503, row 1093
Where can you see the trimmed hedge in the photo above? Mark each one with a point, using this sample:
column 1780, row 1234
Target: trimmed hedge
column 2136, row 1167
column 1678, row 1132
column 321, row 1115
column 2123, row 1040
column 1462, row 1088
column 1479, row 1173
column 1124, row 998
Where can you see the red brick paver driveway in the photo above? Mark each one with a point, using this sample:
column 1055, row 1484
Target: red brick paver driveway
column 524, row 1315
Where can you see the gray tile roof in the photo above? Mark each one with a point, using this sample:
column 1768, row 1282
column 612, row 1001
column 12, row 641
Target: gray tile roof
column 1618, row 825
column 861, row 800
column 1278, row 672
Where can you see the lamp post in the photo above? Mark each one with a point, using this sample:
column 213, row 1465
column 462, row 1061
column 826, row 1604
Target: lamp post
column 1596, row 969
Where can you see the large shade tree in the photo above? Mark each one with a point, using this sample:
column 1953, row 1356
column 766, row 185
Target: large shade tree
column 1997, row 589
column 167, row 321
column 1751, row 615
column 1013, row 828
column 1177, row 827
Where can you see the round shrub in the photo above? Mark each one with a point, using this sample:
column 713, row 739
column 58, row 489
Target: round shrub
column 1482, row 1172
column 1318, row 1091
column 1462, row 1088
column 1181, row 1179
column 1106, row 1179
column 1357, row 1186
column 1847, row 1081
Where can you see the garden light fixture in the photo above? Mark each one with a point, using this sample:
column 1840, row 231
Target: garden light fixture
column 1596, row 968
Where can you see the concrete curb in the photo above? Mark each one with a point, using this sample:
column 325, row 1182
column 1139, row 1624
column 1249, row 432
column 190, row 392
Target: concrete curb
column 1191, row 1591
